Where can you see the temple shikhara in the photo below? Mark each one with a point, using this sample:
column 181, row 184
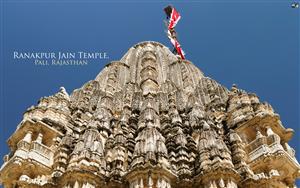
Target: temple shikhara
column 150, row 120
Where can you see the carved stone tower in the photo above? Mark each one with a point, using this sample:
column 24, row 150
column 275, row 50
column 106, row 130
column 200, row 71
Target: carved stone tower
column 150, row 120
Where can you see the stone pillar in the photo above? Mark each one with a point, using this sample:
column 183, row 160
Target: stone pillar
column 39, row 139
column 150, row 182
column 162, row 183
column 88, row 185
column 76, row 185
column 28, row 137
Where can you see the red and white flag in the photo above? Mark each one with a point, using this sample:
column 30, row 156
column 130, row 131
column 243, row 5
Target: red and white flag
column 179, row 49
column 176, row 45
column 174, row 18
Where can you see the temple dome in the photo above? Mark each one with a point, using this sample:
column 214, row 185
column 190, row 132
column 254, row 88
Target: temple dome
column 153, row 64
column 167, row 66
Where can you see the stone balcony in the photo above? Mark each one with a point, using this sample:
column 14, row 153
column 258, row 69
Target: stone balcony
column 267, row 145
column 41, row 153
column 32, row 152
column 247, row 130
column 48, row 132
column 30, row 158
column 269, row 151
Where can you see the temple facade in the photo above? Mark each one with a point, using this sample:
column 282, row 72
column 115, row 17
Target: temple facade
column 150, row 120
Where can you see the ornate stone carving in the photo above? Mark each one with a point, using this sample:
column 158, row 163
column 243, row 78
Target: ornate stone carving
column 150, row 120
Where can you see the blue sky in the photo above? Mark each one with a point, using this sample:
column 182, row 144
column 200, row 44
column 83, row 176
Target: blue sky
column 254, row 44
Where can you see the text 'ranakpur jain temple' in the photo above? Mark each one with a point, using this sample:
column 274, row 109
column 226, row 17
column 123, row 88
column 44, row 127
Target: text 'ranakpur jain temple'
column 150, row 120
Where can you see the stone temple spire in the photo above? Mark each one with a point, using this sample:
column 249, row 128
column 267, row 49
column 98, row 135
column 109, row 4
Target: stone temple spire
column 150, row 120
